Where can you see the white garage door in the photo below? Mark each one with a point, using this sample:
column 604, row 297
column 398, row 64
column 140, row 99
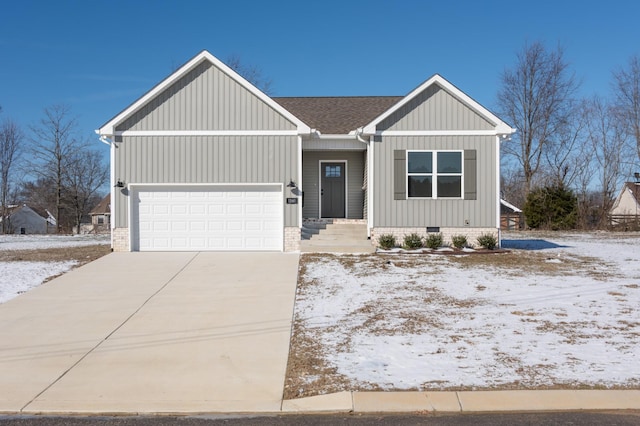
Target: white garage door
column 207, row 218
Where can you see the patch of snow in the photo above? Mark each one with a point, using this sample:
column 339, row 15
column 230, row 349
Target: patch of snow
column 19, row 277
column 480, row 326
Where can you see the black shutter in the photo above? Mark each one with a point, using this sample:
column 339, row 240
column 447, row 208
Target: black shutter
column 470, row 175
column 399, row 174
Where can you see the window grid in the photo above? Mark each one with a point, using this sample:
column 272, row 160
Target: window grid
column 435, row 174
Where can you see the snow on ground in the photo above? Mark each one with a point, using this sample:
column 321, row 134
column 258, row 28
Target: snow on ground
column 32, row 242
column 18, row 277
column 394, row 322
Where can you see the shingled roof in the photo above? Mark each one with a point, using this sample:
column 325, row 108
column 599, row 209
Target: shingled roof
column 338, row 115
column 103, row 207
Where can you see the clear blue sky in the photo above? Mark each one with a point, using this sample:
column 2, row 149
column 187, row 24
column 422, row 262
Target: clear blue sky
column 99, row 56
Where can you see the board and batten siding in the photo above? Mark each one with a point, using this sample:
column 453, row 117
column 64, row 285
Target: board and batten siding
column 480, row 212
column 311, row 181
column 434, row 109
column 206, row 99
column 205, row 159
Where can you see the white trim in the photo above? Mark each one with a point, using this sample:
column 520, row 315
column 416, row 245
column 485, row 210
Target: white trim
column 300, row 182
column 370, row 186
column 112, row 192
column 109, row 127
column 346, row 187
column 213, row 184
column 207, row 133
column 497, row 171
column 500, row 126
column 436, row 133
column 350, row 136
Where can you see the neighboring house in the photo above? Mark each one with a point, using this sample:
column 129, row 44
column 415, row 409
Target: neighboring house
column 510, row 216
column 626, row 207
column 206, row 161
column 101, row 215
column 25, row 220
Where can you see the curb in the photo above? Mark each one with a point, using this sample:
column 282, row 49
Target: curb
column 467, row 401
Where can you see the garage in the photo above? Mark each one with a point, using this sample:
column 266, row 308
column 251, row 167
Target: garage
column 207, row 218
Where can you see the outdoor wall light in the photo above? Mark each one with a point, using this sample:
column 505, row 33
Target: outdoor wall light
column 291, row 184
column 119, row 184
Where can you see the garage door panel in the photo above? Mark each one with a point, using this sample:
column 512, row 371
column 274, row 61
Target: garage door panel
column 210, row 218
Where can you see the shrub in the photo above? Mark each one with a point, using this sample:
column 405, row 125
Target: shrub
column 459, row 241
column 433, row 241
column 551, row 207
column 387, row 241
column 488, row 241
column 412, row 241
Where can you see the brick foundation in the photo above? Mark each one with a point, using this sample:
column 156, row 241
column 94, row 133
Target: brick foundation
column 120, row 239
column 447, row 233
column 291, row 238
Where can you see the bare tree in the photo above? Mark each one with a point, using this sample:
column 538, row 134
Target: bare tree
column 536, row 97
column 607, row 146
column 10, row 145
column 567, row 158
column 84, row 174
column 251, row 73
column 626, row 86
column 53, row 141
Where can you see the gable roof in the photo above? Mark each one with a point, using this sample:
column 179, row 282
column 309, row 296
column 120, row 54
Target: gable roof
column 103, row 207
column 634, row 189
column 108, row 129
column 338, row 114
column 501, row 128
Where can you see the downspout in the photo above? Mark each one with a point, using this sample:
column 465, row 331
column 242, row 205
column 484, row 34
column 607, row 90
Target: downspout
column 359, row 132
column 112, row 154
column 500, row 138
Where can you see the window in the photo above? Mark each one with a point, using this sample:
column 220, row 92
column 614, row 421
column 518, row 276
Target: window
column 434, row 174
column 332, row 171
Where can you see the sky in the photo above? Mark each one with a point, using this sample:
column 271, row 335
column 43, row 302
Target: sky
column 98, row 56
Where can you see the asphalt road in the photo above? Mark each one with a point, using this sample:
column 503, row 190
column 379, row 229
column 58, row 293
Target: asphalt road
column 565, row 418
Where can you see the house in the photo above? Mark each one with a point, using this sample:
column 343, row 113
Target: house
column 101, row 215
column 626, row 207
column 25, row 220
column 206, row 161
column 510, row 216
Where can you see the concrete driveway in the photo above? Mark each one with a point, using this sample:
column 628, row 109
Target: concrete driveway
column 152, row 333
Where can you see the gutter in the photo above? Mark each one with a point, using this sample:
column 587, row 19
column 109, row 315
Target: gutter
column 112, row 166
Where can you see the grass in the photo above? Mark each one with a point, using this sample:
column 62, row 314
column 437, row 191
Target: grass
column 309, row 374
column 82, row 255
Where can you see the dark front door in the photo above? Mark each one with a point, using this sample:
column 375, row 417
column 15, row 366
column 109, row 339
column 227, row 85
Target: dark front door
column 332, row 191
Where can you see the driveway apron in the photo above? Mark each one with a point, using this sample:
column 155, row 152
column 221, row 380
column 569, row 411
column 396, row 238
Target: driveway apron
column 152, row 333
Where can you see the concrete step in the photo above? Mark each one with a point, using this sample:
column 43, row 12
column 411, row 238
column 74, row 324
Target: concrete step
column 322, row 237
column 321, row 243
column 352, row 235
column 337, row 249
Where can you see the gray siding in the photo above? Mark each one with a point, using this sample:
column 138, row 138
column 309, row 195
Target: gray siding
column 206, row 99
column 234, row 159
column 311, row 181
column 480, row 212
column 434, row 109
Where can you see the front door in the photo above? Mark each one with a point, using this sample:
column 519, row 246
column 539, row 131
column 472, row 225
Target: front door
column 332, row 189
